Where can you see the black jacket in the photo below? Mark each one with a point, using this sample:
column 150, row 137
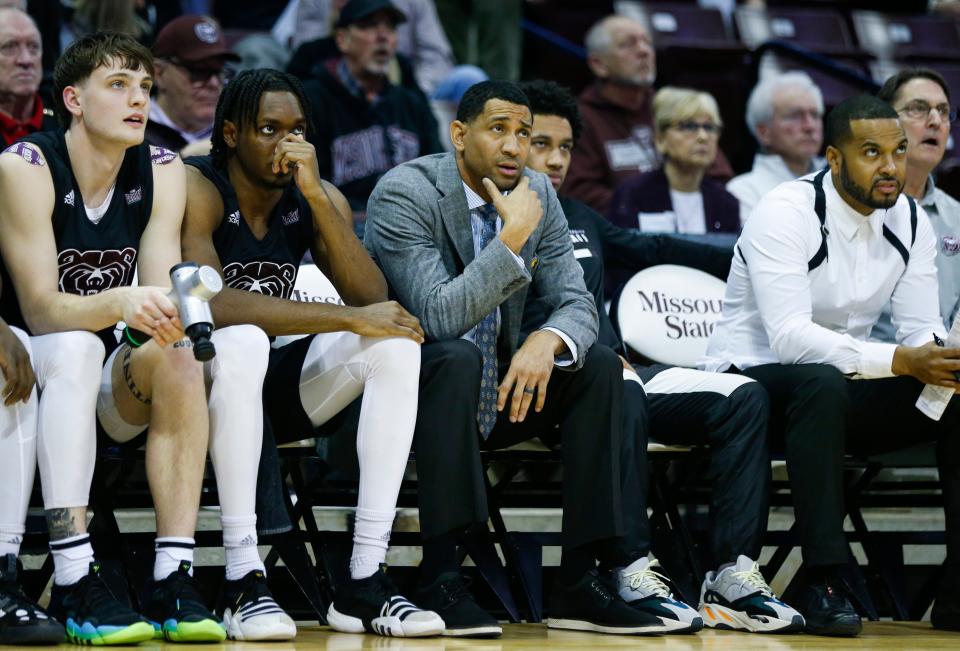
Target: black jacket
column 357, row 142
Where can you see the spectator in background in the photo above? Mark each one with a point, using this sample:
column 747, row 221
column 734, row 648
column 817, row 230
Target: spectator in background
column 420, row 38
column 676, row 198
column 485, row 34
column 366, row 125
column 922, row 100
column 190, row 59
column 618, row 138
column 785, row 115
column 90, row 16
column 21, row 109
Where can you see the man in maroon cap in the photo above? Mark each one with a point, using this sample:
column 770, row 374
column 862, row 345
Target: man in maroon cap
column 190, row 57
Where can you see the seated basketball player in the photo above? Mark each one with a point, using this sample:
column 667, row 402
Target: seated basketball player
column 256, row 206
column 83, row 209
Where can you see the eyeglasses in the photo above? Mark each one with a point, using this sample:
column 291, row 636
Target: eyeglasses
column 919, row 110
column 201, row 76
column 692, row 127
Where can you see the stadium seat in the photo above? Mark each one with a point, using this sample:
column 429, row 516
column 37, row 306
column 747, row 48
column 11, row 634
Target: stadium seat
column 907, row 37
column 821, row 30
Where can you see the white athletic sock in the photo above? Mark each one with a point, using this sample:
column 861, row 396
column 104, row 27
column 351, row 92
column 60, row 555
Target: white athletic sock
column 10, row 538
column 240, row 546
column 371, row 537
column 71, row 558
column 170, row 552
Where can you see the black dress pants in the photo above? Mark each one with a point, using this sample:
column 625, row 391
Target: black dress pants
column 818, row 416
column 587, row 407
column 696, row 408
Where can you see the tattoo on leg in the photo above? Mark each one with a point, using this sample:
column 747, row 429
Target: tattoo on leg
column 61, row 524
column 128, row 377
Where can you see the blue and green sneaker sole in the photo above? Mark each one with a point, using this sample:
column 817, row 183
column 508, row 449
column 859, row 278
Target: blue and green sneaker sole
column 87, row 634
column 206, row 630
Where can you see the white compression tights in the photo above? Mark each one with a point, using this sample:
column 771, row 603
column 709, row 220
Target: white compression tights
column 235, row 381
column 339, row 366
column 235, row 378
column 58, row 430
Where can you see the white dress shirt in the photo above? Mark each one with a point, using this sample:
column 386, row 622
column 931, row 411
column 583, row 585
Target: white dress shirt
column 474, row 202
column 768, row 172
column 776, row 311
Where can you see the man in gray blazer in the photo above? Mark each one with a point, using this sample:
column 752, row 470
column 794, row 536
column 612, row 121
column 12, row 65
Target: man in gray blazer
column 463, row 257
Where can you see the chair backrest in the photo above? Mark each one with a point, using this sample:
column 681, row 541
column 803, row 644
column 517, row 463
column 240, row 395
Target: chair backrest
column 667, row 312
column 897, row 36
column 821, row 30
column 313, row 287
column 675, row 24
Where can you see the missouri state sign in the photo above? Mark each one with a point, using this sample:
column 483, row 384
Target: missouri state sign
column 666, row 313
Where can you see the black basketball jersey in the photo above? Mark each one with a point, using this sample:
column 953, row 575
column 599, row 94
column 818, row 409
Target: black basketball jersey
column 267, row 265
column 92, row 258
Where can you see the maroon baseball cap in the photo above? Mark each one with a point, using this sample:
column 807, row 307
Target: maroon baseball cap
column 192, row 39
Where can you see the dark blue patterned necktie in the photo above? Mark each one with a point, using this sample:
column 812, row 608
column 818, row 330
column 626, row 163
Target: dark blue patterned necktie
column 485, row 336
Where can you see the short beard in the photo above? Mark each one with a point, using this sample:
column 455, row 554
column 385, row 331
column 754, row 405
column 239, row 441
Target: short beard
column 864, row 196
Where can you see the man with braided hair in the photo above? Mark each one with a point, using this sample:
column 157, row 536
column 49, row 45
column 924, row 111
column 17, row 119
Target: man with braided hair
column 256, row 205
column 82, row 209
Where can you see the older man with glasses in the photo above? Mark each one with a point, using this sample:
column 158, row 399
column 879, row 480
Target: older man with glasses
column 922, row 100
column 191, row 57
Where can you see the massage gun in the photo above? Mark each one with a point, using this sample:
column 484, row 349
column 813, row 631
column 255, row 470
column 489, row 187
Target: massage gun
column 193, row 287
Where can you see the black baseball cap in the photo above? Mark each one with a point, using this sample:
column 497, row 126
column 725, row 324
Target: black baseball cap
column 355, row 10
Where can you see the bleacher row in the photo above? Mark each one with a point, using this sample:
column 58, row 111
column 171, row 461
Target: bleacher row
column 508, row 562
column 845, row 50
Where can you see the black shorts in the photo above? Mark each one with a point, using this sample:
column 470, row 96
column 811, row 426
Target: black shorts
column 281, row 397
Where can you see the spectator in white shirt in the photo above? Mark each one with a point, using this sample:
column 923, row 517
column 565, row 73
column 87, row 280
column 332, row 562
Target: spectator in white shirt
column 922, row 99
column 818, row 260
column 785, row 115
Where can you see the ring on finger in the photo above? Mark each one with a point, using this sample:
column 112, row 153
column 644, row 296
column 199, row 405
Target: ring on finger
column 529, row 390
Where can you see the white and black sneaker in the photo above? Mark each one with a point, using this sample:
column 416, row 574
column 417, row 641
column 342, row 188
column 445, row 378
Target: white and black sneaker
column 373, row 605
column 21, row 620
column 738, row 598
column 249, row 612
column 644, row 588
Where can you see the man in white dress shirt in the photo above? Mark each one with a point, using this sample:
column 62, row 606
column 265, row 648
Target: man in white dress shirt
column 785, row 115
column 815, row 265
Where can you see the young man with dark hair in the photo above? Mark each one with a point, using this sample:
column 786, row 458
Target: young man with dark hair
column 685, row 407
column 818, row 260
column 256, row 206
column 83, row 210
column 921, row 98
column 463, row 258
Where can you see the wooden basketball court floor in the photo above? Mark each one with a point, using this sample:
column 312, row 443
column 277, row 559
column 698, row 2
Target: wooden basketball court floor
column 536, row 637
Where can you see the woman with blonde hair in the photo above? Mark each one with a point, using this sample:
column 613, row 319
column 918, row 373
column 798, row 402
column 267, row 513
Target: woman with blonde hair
column 676, row 197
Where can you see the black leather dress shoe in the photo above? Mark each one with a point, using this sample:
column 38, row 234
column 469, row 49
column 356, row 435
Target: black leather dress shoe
column 827, row 610
column 946, row 609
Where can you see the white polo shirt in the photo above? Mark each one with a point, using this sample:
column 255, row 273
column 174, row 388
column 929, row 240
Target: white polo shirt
column 775, row 310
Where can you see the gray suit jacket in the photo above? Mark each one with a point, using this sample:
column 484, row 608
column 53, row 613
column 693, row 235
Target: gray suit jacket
column 418, row 231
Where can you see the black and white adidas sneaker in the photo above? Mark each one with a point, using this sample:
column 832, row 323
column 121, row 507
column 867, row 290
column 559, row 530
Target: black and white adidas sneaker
column 249, row 612
column 373, row 605
column 22, row 621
